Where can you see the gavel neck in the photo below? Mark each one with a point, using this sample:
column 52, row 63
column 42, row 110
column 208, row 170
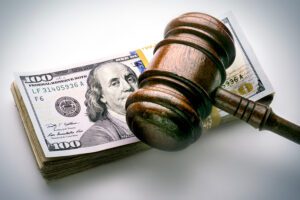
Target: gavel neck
column 256, row 114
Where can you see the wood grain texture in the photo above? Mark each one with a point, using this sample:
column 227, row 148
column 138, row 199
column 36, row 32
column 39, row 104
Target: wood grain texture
column 182, row 82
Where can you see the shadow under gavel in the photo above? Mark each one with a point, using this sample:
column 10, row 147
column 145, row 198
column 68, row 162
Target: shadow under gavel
column 183, row 81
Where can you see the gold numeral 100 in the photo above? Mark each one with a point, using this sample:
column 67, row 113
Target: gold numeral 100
column 38, row 78
column 66, row 145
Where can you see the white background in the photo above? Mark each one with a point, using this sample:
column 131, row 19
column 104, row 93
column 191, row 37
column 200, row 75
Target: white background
column 231, row 162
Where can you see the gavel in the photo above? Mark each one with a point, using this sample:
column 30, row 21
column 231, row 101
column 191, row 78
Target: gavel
column 182, row 83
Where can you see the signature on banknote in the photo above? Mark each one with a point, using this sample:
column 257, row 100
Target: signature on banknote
column 63, row 129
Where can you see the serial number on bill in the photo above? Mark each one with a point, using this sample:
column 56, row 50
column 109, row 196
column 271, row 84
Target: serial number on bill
column 57, row 88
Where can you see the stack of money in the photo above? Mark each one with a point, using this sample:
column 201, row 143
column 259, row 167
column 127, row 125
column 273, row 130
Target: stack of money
column 74, row 117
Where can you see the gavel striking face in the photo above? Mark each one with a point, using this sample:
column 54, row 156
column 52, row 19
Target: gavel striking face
column 182, row 82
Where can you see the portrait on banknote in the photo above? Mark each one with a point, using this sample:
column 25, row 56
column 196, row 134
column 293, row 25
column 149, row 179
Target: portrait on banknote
column 109, row 84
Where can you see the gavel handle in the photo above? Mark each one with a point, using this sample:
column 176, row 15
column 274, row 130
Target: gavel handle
column 256, row 114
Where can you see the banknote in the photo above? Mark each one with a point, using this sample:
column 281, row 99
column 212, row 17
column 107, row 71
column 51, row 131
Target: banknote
column 59, row 103
column 81, row 109
column 245, row 76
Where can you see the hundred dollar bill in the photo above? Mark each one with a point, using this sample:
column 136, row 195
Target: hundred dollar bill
column 79, row 110
column 70, row 108
column 244, row 77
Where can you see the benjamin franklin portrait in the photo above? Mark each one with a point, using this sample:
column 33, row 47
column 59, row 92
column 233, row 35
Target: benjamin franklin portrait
column 109, row 85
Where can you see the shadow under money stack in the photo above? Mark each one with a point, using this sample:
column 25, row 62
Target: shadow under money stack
column 75, row 117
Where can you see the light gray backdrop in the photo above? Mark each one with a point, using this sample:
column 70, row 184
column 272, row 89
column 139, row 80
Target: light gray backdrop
column 230, row 162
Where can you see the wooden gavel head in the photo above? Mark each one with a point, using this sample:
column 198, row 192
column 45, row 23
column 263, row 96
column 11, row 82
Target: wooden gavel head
column 173, row 98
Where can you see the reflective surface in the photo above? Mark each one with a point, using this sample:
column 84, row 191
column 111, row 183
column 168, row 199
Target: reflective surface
column 230, row 162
